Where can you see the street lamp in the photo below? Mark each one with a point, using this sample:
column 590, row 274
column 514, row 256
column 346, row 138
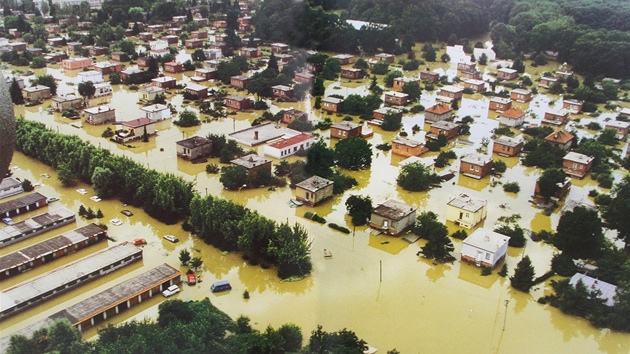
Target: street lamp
column 239, row 192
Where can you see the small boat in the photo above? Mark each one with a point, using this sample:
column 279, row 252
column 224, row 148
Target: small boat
column 327, row 253
column 297, row 202
column 127, row 212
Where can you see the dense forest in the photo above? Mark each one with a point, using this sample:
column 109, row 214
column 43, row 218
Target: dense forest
column 593, row 36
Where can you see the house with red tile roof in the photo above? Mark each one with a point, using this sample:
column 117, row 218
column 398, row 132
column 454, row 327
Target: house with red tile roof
column 438, row 112
column 513, row 117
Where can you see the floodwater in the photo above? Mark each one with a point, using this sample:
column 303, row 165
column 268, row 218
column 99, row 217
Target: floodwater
column 374, row 285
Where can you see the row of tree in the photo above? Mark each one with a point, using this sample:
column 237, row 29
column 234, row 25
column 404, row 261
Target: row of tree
column 187, row 327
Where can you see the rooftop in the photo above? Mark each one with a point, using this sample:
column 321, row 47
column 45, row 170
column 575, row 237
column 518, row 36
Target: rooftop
column 467, row 203
column 513, row 113
column 136, row 123
column 560, row 136
column 577, row 157
column 193, row 142
column 477, row 159
column 21, row 202
column 294, row 140
column 444, row 125
column 439, row 108
column 154, row 108
column 607, row 290
column 406, row 142
column 314, row 183
column 250, row 161
column 47, row 282
column 98, row 109
column 507, row 141
column 486, row 240
column 346, row 125
column 393, row 209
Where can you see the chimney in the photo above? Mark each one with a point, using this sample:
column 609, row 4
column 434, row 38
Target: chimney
column 255, row 135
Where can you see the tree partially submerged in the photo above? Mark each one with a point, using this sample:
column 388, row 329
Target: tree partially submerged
column 417, row 177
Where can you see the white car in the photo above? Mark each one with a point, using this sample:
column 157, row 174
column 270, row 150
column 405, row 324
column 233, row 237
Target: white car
column 172, row 290
column 95, row 198
column 52, row 199
column 82, row 191
column 116, row 222
column 171, row 238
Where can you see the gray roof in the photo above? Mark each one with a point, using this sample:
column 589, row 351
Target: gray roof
column 26, row 291
column 406, row 142
column 34, row 223
column 21, row 202
column 345, row 125
column 394, row 209
column 314, row 183
column 445, row 125
column 193, row 142
column 46, row 247
column 577, row 157
column 9, row 183
column 608, row 291
column 467, row 203
column 250, row 161
column 117, row 293
column 507, row 141
column 477, row 159
column 486, row 240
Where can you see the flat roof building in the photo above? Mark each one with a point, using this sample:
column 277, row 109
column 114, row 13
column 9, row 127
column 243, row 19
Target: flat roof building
column 35, row 226
column 39, row 289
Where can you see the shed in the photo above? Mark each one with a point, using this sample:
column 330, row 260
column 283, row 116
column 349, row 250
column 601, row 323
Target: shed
column 314, row 190
column 393, row 217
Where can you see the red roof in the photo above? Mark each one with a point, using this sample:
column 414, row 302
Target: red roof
column 439, row 108
column 138, row 122
column 513, row 113
column 560, row 136
column 291, row 141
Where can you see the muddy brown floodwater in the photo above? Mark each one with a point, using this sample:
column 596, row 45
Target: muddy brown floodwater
column 374, row 285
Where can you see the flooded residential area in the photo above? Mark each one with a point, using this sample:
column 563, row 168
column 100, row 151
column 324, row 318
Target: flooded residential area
column 368, row 281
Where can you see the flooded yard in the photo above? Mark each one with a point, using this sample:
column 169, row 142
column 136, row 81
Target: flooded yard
column 374, row 285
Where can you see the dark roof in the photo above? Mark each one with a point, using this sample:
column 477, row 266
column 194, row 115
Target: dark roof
column 394, row 209
column 21, row 202
column 193, row 142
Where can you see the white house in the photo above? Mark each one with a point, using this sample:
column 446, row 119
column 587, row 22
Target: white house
column 466, row 211
column 457, row 54
column 160, row 44
column 157, row 112
column 91, row 75
column 484, row 248
column 102, row 89
column 213, row 53
column 287, row 146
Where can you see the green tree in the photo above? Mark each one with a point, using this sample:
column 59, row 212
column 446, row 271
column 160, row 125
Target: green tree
column 417, row 177
column 608, row 137
column 331, row 69
column 65, row 174
column 523, row 278
column 38, row 62
column 616, row 213
column 549, row 181
column 47, row 80
column 353, row 153
column 187, row 119
column 483, row 59
column 319, row 159
column 343, row 341
column 391, row 121
column 291, row 250
column 87, row 90
column 389, row 78
column 16, row 93
column 515, row 233
column 175, row 311
column 359, row 208
column 439, row 245
column 292, row 336
column 413, row 90
column 318, row 86
column 256, row 230
column 380, row 68
column 579, row 233
column 184, row 257
column 104, row 182
column 429, row 54
column 233, row 177
column 196, row 263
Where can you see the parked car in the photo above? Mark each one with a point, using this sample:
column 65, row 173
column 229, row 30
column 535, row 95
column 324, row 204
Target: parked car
column 8, row 221
column 172, row 290
column 52, row 199
column 82, row 191
column 171, row 238
column 126, row 212
column 192, row 279
column 116, row 222
column 222, row 285
column 139, row 242
column 95, row 198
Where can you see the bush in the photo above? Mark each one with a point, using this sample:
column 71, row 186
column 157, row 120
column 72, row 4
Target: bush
column 460, row 234
column 334, row 226
column 563, row 265
column 212, row 168
column 512, row 187
column 594, row 126
column 499, row 166
column 313, row 216
column 384, row 146
column 603, row 199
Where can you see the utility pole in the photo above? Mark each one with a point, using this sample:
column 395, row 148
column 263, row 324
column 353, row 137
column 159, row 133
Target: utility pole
column 505, row 314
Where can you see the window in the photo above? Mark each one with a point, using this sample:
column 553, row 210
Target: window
column 472, row 167
column 476, row 168
column 487, row 256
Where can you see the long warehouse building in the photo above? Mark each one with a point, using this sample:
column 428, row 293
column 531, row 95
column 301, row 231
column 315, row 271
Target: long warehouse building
column 37, row 290
column 35, row 226
column 33, row 256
